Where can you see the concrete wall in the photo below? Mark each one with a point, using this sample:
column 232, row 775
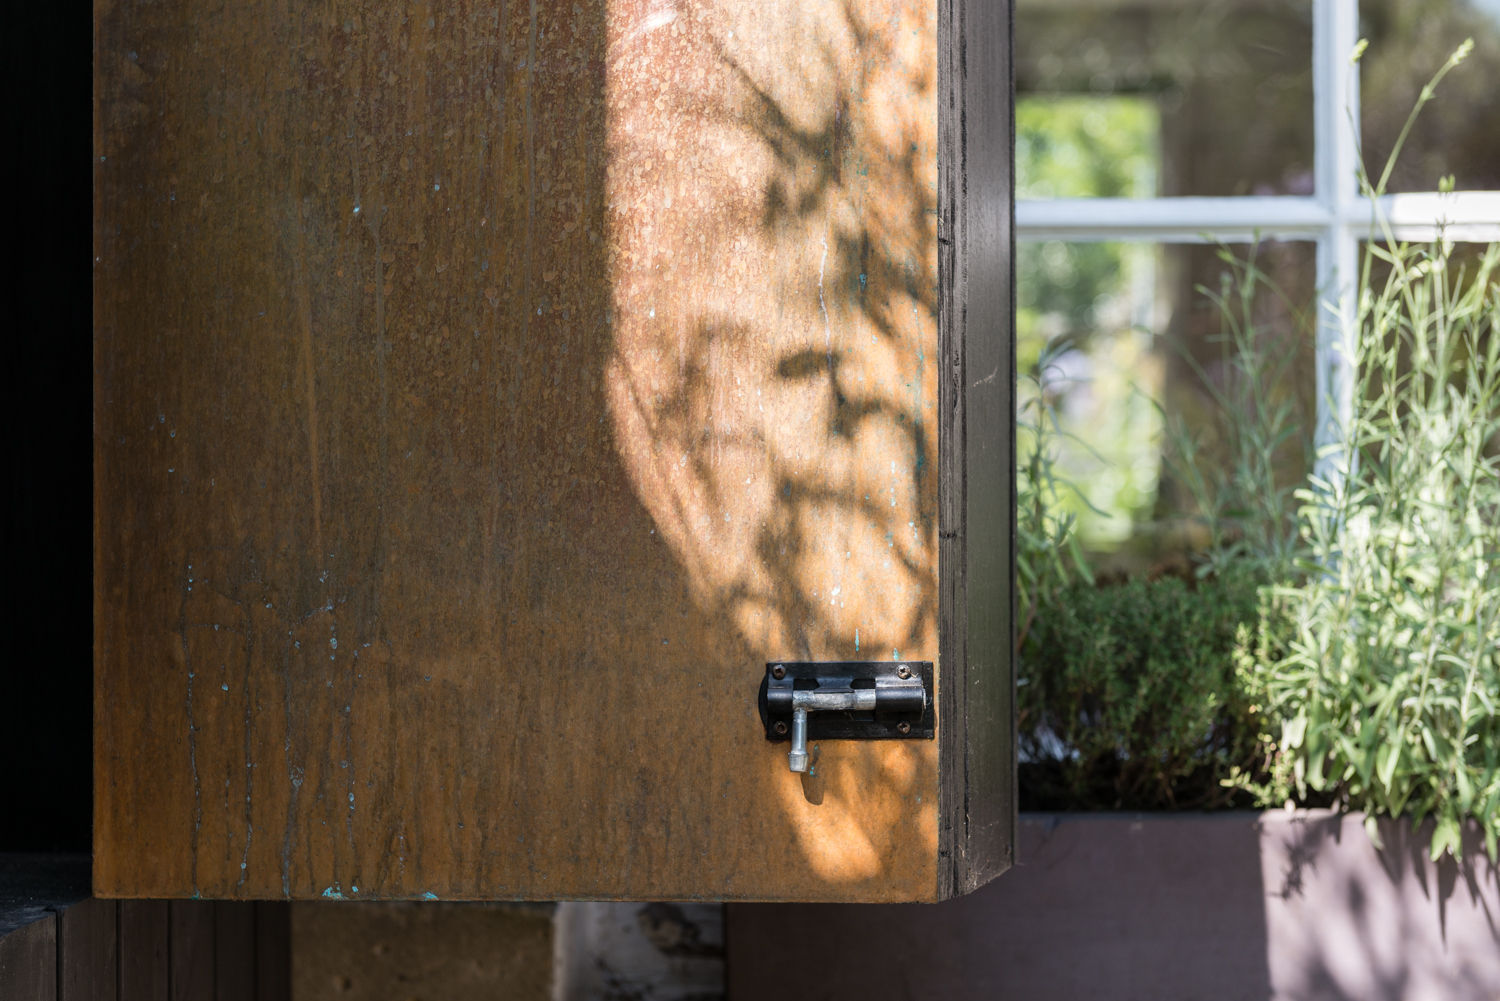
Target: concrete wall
column 1225, row 906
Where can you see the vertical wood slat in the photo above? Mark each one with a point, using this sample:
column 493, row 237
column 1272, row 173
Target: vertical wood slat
column 191, row 950
column 234, row 951
column 273, row 951
column 143, row 931
column 87, row 951
column 28, row 962
column 151, row 950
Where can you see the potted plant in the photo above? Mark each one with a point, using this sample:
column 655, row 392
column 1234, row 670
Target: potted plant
column 1336, row 643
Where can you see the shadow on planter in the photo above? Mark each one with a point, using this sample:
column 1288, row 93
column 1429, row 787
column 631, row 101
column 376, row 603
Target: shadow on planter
column 1230, row 905
column 1345, row 920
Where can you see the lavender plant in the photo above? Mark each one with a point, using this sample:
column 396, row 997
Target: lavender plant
column 1386, row 690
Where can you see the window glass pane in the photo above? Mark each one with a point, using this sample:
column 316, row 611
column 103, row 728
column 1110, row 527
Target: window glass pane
column 1077, row 147
column 1216, row 97
column 1127, row 349
column 1458, row 132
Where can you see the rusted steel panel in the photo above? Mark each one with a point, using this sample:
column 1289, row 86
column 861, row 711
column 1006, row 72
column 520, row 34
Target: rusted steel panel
column 483, row 395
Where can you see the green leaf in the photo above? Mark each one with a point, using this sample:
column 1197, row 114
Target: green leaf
column 1292, row 732
column 1372, row 830
column 1385, row 769
column 1447, row 836
column 1315, row 765
column 1465, row 788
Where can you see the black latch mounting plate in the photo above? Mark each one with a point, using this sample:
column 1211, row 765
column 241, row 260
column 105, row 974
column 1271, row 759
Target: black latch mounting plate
column 903, row 699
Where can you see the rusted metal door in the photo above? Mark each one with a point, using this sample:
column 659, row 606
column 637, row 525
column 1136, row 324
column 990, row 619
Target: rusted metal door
column 485, row 393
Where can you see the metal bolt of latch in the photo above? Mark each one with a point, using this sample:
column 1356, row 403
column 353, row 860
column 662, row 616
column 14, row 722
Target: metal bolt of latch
column 804, row 702
column 796, row 758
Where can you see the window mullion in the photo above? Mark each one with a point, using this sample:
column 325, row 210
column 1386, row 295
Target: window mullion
column 1335, row 166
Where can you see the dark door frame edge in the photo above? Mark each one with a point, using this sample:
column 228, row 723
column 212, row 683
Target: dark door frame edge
column 976, row 443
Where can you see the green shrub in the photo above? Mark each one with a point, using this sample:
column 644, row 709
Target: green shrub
column 1129, row 698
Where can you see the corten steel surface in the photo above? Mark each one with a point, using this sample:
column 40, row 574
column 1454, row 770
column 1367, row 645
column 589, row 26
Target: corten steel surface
column 484, row 394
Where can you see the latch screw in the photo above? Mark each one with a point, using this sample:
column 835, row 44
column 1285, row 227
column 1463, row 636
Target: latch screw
column 778, row 672
column 780, row 728
column 903, row 671
column 903, row 728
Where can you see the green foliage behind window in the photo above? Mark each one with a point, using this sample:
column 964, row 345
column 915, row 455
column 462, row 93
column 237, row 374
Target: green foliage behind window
column 1074, row 147
column 1079, row 305
column 1087, row 146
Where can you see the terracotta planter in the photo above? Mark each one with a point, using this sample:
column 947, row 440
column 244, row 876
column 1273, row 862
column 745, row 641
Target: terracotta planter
column 1152, row 906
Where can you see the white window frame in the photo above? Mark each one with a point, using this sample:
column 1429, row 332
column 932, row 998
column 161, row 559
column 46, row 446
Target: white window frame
column 1336, row 217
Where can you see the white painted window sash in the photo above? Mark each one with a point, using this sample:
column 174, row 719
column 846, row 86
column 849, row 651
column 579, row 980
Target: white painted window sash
column 1463, row 215
column 1337, row 217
